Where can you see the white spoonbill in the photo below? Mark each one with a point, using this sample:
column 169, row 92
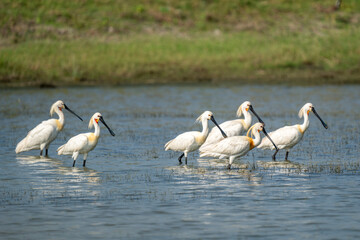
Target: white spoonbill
column 288, row 136
column 191, row 141
column 43, row 134
column 84, row 142
column 235, row 127
column 236, row 146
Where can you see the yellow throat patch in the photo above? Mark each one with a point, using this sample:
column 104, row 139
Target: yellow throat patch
column 299, row 128
column 59, row 126
column 200, row 139
column 251, row 141
column 92, row 137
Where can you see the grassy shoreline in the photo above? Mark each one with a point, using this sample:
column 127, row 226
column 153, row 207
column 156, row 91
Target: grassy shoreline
column 318, row 48
column 243, row 58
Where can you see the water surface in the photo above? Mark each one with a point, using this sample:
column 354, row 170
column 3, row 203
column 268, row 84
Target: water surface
column 132, row 188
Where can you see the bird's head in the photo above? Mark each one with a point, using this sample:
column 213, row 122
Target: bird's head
column 207, row 115
column 244, row 107
column 257, row 127
column 58, row 105
column 95, row 120
column 307, row 108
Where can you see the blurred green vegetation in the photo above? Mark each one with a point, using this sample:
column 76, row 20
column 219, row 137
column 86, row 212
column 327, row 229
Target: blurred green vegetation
column 83, row 42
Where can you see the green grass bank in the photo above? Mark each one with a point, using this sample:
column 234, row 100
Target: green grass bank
column 57, row 43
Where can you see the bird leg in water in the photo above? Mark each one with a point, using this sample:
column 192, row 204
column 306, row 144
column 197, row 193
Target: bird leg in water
column 286, row 156
column 180, row 162
column 41, row 152
column 74, row 163
column 185, row 160
column 85, row 156
column 46, row 153
column 274, row 156
column 229, row 166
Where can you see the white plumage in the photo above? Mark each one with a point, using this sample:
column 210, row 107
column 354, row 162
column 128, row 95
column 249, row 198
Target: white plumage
column 235, row 127
column 235, row 146
column 288, row 136
column 84, row 142
column 191, row 141
column 43, row 134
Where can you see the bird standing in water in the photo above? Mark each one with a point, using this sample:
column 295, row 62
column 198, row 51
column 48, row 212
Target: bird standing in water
column 191, row 141
column 43, row 134
column 236, row 146
column 84, row 142
column 288, row 136
column 235, row 127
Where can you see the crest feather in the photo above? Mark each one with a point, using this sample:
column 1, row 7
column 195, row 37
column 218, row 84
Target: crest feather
column 301, row 112
column 250, row 130
column 54, row 106
column 198, row 120
column 52, row 109
column 239, row 111
column 91, row 123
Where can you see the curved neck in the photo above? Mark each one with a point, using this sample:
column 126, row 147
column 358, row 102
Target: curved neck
column 247, row 119
column 205, row 125
column 306, row 123
column 257, row 138
column 61, row 116
column 97, row 128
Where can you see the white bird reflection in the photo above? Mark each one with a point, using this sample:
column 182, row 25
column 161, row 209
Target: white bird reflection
column 43, row 166
column 213, row 169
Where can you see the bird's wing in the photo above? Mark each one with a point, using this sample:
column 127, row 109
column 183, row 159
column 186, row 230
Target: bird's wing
column 41, row 133
column 181, row 142
column 75, row 144
column 230, row 146
column 231, row 128
column 282, row 137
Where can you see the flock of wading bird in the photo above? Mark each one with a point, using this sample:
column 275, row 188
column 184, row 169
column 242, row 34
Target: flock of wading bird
column 225, row 141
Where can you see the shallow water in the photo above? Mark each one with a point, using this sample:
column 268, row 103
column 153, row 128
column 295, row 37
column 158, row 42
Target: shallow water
column 132, row 188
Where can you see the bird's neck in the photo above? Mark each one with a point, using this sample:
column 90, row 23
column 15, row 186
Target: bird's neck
column 305, row 125
column 254, row 142
column 247, row 119
column 205, row 125
column 61, row 117
column 97, row 129
column 257, row 138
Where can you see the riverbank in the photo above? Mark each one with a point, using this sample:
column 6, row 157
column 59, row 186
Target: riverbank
column 296, row 44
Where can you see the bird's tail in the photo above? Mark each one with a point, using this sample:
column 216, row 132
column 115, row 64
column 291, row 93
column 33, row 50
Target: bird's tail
column 209, row 154
column 60, row 150
column 265, row 144
column 205, row 146
column 24, row 145
column 210, row 141
column 167, row 145
column 20, row 147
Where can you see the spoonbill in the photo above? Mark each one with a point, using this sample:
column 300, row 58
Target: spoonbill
column 85, row 142
column 288, row 136
column 191, row 141
column 236, row 146
column 235, row 127
column 43, row 134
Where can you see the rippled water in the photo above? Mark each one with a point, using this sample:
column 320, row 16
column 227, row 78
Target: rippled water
column 132, row 188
